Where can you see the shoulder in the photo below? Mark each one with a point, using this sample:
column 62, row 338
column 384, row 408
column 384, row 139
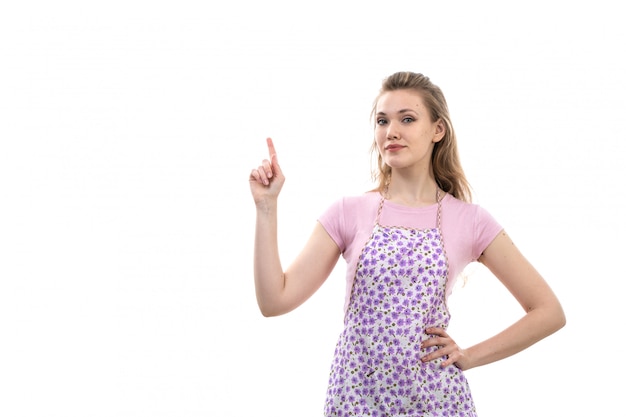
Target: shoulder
column 352, row 209
column 355, row 203
column 361, row 201
column 470, row 221
column 470, row 227
column 347, row 216
column 463, row 208
column 469, row 217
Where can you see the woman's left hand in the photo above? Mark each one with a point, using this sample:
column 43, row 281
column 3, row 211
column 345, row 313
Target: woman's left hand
column 447, row 346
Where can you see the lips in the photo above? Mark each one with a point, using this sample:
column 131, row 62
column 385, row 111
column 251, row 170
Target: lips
column 394, row 147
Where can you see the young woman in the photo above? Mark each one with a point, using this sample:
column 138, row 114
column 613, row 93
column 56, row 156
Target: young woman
column 404, row 243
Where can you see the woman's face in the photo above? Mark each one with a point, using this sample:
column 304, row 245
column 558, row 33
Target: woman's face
column 404, row 133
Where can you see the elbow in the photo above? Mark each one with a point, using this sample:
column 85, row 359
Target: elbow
column 559, row 316
column 557, row 319
column 267, row 313
column 550, row 319
column 269, row 310
column 562, row 320
column 273, row 306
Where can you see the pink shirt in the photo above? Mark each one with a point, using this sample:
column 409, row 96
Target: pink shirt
column 467, row 229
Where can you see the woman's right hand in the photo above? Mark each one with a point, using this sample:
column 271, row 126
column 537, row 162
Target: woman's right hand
column 267, row 180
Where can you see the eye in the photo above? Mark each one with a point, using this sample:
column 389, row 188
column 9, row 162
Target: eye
column 381, row 122
column 408, row 119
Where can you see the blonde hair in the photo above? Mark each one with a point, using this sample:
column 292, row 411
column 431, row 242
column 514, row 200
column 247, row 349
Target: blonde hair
column 445, row 161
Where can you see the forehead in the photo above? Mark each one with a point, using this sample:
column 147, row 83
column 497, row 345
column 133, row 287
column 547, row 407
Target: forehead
column 397, row 100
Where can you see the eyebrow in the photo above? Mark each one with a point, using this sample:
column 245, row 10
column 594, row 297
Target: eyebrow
column 399, row 111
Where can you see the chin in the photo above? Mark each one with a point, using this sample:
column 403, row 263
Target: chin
column 395, row 164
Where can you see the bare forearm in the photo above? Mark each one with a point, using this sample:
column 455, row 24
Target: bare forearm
column 534, row 326
column 268, row 273
column 544, row 314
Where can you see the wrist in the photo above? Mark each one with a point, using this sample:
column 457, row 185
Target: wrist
column 266, row 206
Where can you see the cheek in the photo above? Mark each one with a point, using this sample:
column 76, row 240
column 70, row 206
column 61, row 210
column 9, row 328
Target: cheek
column 379, row 139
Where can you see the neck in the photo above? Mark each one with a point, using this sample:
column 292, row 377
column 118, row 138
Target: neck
column 413, row 192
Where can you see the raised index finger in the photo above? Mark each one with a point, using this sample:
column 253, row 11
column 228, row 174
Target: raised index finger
column 271, row 149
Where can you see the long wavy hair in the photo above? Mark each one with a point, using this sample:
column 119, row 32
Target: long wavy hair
column 445, row 161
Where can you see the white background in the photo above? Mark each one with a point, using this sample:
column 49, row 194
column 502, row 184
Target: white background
column 127, row 133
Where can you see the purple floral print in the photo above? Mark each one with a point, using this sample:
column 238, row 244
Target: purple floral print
column 399, row 291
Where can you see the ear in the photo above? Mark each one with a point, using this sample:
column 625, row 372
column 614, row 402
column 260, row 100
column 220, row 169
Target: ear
column 440, row 130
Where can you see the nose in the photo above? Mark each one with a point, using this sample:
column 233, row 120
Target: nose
column 392, row 130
